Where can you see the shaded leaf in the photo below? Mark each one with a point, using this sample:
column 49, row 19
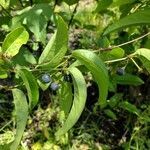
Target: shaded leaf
column 103, row 5
column 110, row 114
column 66, row 97
column 98, row 70
column 128, row 79
column 24, row 58
column 130, row 20
column 14, row 40
column 80, row 94
column 129, row 107
column 31, row 86
column 21, row 112
column 56, row 48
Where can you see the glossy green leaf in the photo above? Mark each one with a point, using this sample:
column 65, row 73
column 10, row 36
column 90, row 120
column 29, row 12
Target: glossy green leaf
column 56, row 48
column 129, row 107
column 80, row 94
column 130, row 20
column 31, row 86
column 66, row 97
column 14, row 40
column 128, row 79
column 21, row 112
column 98, row 70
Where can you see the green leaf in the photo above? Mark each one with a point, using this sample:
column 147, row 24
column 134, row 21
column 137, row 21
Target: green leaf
column 128, row 79
column 115, row 53
column 130, row 20
column 3, row 74
column 121, row 2
column 98, row 70
column 43, row 86
column 35, row 19
column 66, row 97
column 56, row 48
column 5, row 3
column 110, row 114
column 21, row 112
column 143, row 52
column 103, row 5
column 24, row 58
column 31, row 86
column 13, row 41
column 80, row 94
column 144, row 55
column 129, row 107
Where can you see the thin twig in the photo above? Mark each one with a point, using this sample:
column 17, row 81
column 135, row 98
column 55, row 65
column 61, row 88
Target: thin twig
column 120, row 45
column 73, row 14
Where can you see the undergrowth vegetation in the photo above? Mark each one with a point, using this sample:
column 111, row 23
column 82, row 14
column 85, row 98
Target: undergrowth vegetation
column 74, row 75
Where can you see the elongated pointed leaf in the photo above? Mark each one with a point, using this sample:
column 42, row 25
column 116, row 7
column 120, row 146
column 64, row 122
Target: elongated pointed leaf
column 31, row 86
column 14, row 40
column 98, row 70
column 80, row 94
column 66, row 97
column 130, row 20
column 56, row 48
column 128, row 79
column 21, row 111
column 129, row 107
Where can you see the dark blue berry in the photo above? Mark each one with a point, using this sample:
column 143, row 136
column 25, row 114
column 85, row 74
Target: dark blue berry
column 46, row 78
column 67, row 78
column 120, row 71
column 54, row 86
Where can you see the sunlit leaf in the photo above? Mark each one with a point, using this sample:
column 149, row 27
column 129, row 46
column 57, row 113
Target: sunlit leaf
column 13, row 41
column 130, row 20
column 35, row 19
column 21, row 112
column 31, row 86
column 56, row 48
column 80, row 94
column 143, row 52
column 98, row 70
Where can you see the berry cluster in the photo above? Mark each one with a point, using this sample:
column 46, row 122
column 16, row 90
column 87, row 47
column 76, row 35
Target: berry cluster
column 47, row 79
